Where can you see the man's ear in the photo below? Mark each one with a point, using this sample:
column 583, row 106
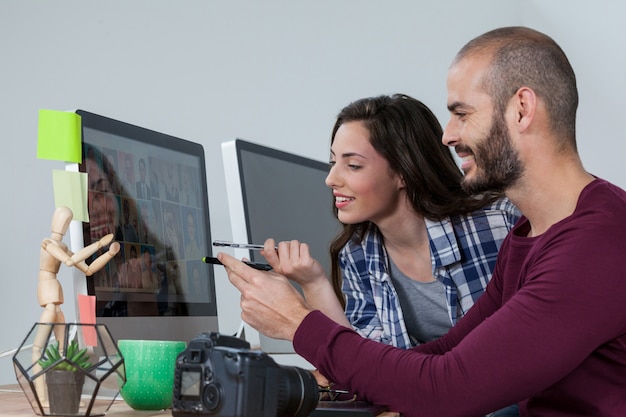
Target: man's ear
column 525, row 101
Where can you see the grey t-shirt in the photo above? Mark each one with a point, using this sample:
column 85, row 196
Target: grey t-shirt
column 423, row 304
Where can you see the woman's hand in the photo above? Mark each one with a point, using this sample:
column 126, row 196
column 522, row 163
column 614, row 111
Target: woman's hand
column 293, row 260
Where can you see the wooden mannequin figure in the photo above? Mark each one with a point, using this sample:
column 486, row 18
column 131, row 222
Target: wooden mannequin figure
column 49, row 291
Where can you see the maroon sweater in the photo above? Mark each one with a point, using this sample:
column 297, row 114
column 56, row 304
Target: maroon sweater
column 549, row 332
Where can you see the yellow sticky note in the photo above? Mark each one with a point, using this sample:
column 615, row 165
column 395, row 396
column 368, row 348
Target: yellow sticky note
column 59, row 136
column 70, row 190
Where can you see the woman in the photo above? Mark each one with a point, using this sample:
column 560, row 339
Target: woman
column 416, row 250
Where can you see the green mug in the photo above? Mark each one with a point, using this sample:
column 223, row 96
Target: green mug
column 149, row 367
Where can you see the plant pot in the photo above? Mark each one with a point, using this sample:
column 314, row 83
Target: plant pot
column 64, row 391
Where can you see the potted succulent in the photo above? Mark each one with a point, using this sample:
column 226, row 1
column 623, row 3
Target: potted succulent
column 64, row 379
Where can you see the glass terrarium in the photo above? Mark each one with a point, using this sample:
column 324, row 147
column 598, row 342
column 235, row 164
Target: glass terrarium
column 69, row 369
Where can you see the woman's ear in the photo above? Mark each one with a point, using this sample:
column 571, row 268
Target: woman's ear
column 401, row 183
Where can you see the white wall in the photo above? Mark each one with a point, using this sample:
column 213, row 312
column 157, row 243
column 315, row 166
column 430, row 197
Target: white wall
column 593, row 35
column 273, row 72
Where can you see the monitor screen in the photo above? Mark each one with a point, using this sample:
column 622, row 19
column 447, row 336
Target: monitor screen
column 149, row 190
column 277, row 194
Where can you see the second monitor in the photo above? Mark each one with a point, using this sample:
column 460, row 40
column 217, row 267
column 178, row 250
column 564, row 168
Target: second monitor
column 272, row 193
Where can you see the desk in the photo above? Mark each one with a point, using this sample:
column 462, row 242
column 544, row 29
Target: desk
column 13, row 403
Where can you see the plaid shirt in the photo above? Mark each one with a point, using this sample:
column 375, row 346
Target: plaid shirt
column 463, row 252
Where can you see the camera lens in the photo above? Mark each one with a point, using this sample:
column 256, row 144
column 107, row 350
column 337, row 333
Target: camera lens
column 297, row 392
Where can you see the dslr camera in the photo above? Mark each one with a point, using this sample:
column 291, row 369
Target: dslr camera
column 219, row 375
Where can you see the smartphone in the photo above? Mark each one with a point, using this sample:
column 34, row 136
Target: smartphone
column 256, row 265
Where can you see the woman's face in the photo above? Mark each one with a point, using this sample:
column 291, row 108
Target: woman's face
column 102, row 203
column 363, row 184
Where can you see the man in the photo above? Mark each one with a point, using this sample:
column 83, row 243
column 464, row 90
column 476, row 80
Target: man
column 130, row 231
column 143, row 189
column 128, row 178
column 550, row 330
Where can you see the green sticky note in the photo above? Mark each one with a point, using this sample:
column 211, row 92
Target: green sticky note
column 70, row 190
column 58, row 136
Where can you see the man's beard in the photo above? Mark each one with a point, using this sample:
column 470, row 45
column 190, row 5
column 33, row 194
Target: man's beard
column 496, row 161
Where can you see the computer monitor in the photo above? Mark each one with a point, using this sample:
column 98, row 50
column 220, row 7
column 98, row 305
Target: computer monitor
column 272, row 193
column 148, row 189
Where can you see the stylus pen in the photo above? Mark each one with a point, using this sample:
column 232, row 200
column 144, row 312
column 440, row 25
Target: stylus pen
column 238, row 245
column 256, row 265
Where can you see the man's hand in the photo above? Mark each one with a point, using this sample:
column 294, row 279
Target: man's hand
column 294, row 260
column 269, row 303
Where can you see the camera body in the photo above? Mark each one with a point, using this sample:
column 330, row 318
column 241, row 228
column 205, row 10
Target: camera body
column 219, row 375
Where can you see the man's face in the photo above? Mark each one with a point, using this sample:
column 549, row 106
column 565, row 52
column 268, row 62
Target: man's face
column 478, row 131
column 497, row 163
